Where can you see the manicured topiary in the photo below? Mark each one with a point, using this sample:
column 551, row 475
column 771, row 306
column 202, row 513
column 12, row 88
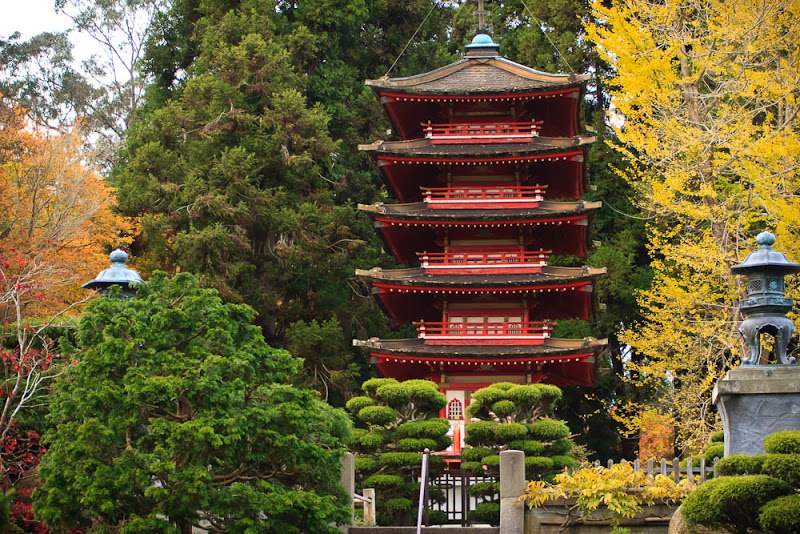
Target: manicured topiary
column 514, row 417
column 741, row 464
column 781, row 515
column 718, row 436
column 785, row 467
column 715, row 450
column 399, row 421
column 484, row 488
column 784, row 442
column 732, row 502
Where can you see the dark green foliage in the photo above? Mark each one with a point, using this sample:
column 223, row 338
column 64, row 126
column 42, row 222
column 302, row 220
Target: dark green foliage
column 437, row 517
column 781, row 515
column 718, row 436
column 480, row 432
column 714, row 450
column 475, row 454
column 784, row 442
column 509, row 432
column 741, row 464
column 547, row 429
column 403, row 419
column 476, row 467
column 486, row 512
column 785, row 467
column 560, row 462
column 175, row 386
column 491, row 462
column 732, row 502
column 484, row 489
column 560, row 446
column 530, row 447
column 538, row 464
column 503, row 408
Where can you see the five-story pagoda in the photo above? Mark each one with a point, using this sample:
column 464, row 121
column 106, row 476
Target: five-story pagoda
column 488, row 175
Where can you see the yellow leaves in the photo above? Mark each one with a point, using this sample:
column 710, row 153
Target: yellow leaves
column 620, row 488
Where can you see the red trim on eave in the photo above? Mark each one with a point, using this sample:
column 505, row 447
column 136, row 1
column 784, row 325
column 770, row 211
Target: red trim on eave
column 413, row 159
column 498, row 96
column 543, row 359
column 424, row 222
column 576, row 286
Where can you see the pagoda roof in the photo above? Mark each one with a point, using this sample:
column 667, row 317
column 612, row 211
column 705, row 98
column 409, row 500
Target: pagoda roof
column 419, row 279
column 546, row 211
column 478, row 76
column 423, row 148
column 416, row 347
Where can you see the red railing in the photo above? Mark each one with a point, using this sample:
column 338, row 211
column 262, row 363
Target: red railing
column 481, row 258
column 494, row 132
column 470, row 196
column 487, row 331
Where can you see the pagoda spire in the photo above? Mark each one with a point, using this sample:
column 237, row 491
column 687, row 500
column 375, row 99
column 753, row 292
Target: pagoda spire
column 481, row 13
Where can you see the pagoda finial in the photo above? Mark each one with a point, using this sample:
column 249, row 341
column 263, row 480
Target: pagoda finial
column 481, row 13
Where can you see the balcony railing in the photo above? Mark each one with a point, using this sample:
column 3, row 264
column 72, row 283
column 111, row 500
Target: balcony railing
column 484, row 261
column 484, row 196
column 494, row 132
column 484, row 332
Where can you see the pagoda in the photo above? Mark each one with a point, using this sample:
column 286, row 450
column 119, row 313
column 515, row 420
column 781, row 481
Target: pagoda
column 488, row 174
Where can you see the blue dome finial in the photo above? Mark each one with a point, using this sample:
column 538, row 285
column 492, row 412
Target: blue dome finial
column 765, row 239
column 118, row 256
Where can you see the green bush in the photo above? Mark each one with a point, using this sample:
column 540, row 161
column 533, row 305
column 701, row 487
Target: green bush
column 560, row 462
column 492, row 461
column 538, row 464
column 488, row 396
column 365, row 464
column 529, row 446
column 785, row 467
column 483, row 489
column 503, row 433
column 480, row 432
column 395, row 395
column 781, row 515
column 370, row 441
column 560, row 446
column 784, row 442
column 715, row 450
column 547, row 429
column 718, row 436
column 400, row 459
column 384, row 481
column 475, row 468
column 732, row 502
column 503, row 408
column 398, row 504
column 741, row 464
column 416, row 444
column 475, row 454
column 437, row 517
column 503, row 386
column 378, row 415
column 371, row 386
column 423, row 429
column 355, row 404
column 485, row 512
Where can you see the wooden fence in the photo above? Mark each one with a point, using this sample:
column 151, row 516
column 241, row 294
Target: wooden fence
column 671, row 468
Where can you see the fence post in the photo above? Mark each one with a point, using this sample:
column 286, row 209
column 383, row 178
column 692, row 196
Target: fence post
column 650, row 467
column 348, row 479
column 689, row 470
column 676, row 470
column 512, row 486
column 702, row 469
column 663, row 467
column 369, row 506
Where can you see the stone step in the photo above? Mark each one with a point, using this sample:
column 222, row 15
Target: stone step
column 425, row 530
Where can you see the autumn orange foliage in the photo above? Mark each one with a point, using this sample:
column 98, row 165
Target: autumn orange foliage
column 656, row 436
column 55, row 212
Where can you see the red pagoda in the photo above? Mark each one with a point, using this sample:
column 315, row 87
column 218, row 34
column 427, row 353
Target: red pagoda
column 488, row 175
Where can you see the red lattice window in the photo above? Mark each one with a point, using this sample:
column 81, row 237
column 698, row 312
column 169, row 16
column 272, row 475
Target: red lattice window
column 455, row 409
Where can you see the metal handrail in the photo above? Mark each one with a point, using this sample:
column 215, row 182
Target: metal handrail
column 484, row 328
column 476, row 258
column 483, row 192
column 487, row 130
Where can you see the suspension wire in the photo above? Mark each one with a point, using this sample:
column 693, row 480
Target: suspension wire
column 541, row 27
column 433, row 6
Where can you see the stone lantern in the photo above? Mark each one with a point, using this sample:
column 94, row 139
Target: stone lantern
column 117, row 275
column 766, row 304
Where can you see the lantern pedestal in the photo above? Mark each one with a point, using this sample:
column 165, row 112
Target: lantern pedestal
column 756, row 401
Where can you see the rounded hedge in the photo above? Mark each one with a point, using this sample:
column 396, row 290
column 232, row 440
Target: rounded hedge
column 784, row 442
column 384, row 481
column 365, row 465
column 718, row 436
column 427, row 428
column 398, row 504
column 488, row 396
column 781, row 515
column 395, row 395
column 483, row 489
column 416, row 444
column 370, row 441
column 560, row 446
column 560, row 462
column 529, row 446
column 547, row 429
column 400, row 459
column 370, row 386
column 355, row 404
column 785, row 467
column 475, row 454
column 378, row 415
column 503, row 408
column 715, row 450
column 740, row 464
column 531, row 394
column 506, row 432
column 476, row 468
column 480, row 432
column 732, row 501
column 485, row 512
column 538, row 464
column 492, row 461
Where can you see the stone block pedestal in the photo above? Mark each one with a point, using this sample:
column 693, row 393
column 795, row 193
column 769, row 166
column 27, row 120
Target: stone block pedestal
column 756, row 401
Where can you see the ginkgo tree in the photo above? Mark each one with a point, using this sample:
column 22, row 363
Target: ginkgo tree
column 705, row 97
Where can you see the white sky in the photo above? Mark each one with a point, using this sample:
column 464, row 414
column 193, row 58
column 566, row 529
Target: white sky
column 30, row 17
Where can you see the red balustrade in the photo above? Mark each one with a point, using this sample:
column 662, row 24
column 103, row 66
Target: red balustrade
column 493, row 132
column 484, row 332
column 484, row 261
column 484, row 196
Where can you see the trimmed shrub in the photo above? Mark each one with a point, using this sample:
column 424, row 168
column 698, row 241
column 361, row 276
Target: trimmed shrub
column 416, row 444
column 371, row 386
column 486, row 512
column 356, row 404
column 399, row 504
column 492, row 461
column 476, row 454
column 423, row 429
column 559, row 446
column 370, row 441
column 437, row 517
column 529, row 446
column 400, row 459
column 732, row 502
column 480, row 432
column 781, row 515
column 718, row 436
column 741, row 464
column 785, row 467
column 715, row 450
column 508, row 432
column 784, row 442
column 364, row 464
column 483, row 489
column 378, row 415
column 547, row 429
column 488, row 396
column 560, row 462
column 395, row 395
column 503, row 408
column 384, row 481
column 538, row 464
column 476, row 468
